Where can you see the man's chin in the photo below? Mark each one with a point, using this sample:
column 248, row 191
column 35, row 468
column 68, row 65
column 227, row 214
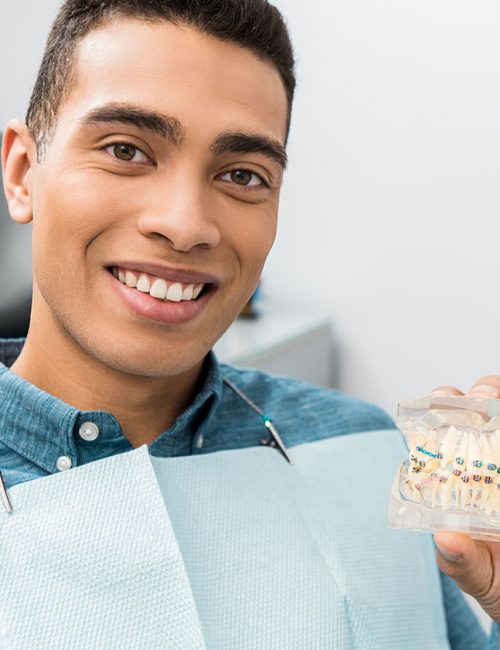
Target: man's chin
column 152, row 364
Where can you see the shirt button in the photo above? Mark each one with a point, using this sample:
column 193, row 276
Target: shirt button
column 63, row 463
column 89, row 431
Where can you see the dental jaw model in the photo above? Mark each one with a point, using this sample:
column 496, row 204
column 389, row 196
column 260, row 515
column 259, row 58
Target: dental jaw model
column 451, row 480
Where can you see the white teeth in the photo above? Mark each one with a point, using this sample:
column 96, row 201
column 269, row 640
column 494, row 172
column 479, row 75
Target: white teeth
column 143, row 284
column 130, row 279
column 174, row 292
column 187, row 294
column 159, row 289
column 197, row 290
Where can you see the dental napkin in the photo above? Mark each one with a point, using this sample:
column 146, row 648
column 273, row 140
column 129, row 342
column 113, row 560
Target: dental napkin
column 234, row 550
column 88, row 559
column 299, row 557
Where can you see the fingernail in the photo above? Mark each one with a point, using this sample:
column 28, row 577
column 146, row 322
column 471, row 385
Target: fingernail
column 448, row 555
column 485, row 389
column 440, row 392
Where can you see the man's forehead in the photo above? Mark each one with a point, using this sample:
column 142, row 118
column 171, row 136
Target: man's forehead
column 164, row 66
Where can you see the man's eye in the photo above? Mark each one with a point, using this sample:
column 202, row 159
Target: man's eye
column 127, row 153
column 244, row 177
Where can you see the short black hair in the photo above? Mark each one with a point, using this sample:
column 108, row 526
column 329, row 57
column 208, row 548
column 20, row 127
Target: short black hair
column 253, row 24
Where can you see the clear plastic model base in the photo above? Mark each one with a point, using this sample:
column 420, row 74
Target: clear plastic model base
column 451, row 480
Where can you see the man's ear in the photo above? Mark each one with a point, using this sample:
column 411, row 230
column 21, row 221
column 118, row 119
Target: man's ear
column 18, row 156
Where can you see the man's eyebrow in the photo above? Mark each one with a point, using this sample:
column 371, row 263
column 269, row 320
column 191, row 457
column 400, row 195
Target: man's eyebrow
column 166, row 126
column 171, row 129
column 240, row 142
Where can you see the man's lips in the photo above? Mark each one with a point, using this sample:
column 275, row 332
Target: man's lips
column 186, row 276
column 174, row 311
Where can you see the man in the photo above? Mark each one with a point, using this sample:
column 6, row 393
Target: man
column 150, row 165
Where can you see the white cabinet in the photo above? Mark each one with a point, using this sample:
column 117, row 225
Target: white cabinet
column 286, row 340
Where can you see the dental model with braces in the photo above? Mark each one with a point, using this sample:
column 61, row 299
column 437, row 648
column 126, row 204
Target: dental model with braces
column 455, row 469
column 451, row 480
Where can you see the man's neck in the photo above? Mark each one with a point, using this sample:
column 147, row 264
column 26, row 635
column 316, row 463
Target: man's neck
column 144, row 406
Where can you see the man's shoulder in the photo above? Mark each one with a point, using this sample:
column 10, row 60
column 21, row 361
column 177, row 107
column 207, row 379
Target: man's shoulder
column 303, row 411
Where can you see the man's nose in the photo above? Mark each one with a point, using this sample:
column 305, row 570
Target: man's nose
column 181, row 212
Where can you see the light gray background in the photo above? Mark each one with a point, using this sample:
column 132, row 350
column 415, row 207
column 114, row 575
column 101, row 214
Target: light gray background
column 389, row 214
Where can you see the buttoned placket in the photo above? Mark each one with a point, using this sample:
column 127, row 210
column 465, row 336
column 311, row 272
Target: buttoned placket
column 88, row 431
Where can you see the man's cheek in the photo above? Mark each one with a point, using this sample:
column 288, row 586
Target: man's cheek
column 71, row 221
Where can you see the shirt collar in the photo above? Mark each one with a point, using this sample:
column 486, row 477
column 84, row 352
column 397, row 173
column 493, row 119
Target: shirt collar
column 42, row 428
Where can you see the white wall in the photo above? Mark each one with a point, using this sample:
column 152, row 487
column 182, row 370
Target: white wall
column 390, row 207
column 390, row 211
column 24, row 25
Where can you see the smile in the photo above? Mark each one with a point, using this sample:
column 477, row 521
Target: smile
column 170, row 296
column 158, row 288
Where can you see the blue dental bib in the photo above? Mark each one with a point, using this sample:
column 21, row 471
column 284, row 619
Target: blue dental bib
column 234, row 550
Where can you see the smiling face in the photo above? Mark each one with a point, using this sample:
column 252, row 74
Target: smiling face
column 164, row 169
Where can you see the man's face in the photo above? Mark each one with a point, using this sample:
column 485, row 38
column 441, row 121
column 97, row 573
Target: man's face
column 148, row 173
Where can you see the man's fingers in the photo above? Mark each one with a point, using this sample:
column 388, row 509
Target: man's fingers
column 470, row 564
column 442, row 391
column 487, row 386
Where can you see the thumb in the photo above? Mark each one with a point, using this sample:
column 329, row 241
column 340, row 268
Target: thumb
column 470, row 564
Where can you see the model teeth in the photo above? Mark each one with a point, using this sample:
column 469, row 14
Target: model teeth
column 158, row 287
column 462, row 471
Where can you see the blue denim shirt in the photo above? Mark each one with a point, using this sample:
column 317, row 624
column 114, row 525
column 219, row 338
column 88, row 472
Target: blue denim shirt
column 37, row 429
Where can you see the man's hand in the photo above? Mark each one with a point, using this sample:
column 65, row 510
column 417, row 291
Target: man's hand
column 473, row 564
